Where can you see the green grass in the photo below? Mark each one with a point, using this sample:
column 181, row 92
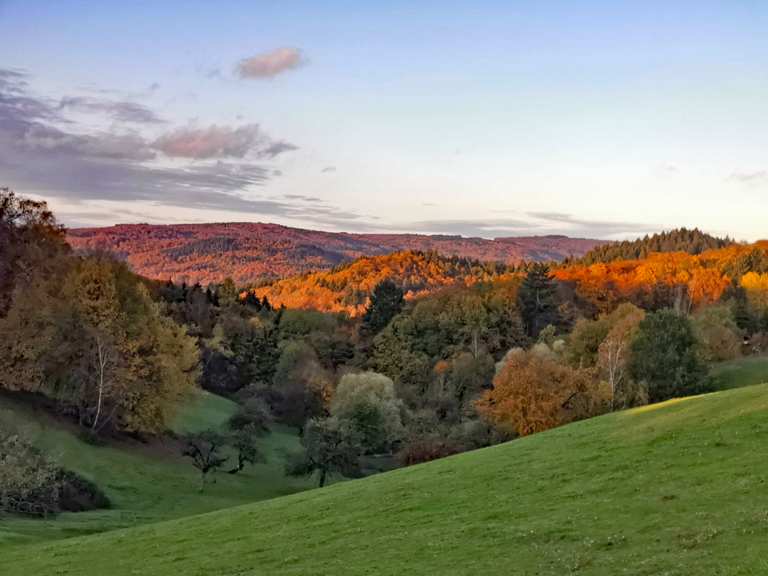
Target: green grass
column 202, row 412
column 678, row 488
column 145, row 483
column 742, row 372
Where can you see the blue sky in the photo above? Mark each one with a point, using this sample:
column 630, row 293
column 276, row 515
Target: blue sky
column 589, row 118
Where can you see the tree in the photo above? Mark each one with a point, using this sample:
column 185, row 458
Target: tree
column 717, row 332
column 584, row 341
column 614, row 350
column 533, row 392
column 386, row 302
column 664, row 356
column 28, row 480
column 205, row 449
column 94, row 293
column 31, row 242
column 367, row 404
column 243, row 440
column 469, row 375
column 538, row 300
column 329, row 448
column 302, row 385
column 253, row 412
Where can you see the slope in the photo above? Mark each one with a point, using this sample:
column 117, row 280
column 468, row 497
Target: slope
column 248, row 252
column 675, row 489
column 144, row 482
column 347, row 287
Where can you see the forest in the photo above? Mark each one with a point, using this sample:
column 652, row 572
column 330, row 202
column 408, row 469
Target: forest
column 250, row 253
column 388, row 361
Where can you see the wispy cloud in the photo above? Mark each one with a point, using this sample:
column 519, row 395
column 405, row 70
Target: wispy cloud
column 43, row 152
column 270, row 64
column 220, row 142
column 756, row 177
column 526, row 224
column 121, row 111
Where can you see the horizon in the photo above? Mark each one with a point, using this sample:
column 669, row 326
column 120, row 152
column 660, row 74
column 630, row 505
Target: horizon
column 482, row 120
column 390, row 233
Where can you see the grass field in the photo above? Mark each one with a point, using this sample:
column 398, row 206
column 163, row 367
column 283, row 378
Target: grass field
column 742, row 372
column 677, row 489
column 146, row 483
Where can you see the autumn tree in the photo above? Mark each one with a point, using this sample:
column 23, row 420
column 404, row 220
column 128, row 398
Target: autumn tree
column 664, row 355
column 31, row 243
column 100, row 347
column 614, row 351
column 532, row 393
column 717, row 333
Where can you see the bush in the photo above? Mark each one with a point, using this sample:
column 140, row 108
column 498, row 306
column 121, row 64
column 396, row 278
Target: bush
column 664, row 356
column 32, row 484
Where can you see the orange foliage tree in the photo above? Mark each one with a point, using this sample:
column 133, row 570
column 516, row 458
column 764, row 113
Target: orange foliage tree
column 533, row 392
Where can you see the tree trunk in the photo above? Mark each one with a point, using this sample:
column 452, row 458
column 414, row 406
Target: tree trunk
column 102, row 367
column 323, row 474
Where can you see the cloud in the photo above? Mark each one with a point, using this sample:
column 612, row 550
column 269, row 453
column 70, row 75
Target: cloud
column 313, row 199
column 39, row 138
column 220, row 142
column 124, row 111
column 270, row 64
column 598, row 228
column 527, row 224
column 757, row 177
column 44, row 153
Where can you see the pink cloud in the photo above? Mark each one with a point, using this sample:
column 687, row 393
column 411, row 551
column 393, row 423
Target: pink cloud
column 270, row 64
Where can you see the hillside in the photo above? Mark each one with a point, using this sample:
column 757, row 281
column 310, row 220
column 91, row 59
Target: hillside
column 144, row 482
column 248, row 252
column 347, row 288
column 681, row 240
column 675, row 488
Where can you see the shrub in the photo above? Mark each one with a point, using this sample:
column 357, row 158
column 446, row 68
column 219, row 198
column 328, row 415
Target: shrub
column 664, row 356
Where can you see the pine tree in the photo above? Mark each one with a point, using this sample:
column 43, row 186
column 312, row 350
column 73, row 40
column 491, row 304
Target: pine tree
column 387, row 301
column 537, row 300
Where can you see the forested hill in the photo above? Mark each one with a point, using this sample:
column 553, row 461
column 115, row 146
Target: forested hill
column 680, row 240
column 248, row 252
column 347, row 288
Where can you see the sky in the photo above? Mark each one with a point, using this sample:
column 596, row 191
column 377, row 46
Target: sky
column 482, row 118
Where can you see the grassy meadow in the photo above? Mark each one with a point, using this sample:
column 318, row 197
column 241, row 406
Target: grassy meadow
column 676, row 488
column 145, row 482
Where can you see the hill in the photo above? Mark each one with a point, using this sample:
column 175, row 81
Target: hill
column 347, row 287
column 673, row 488
column 248, row 252
column 681, row 240
column 144, row 482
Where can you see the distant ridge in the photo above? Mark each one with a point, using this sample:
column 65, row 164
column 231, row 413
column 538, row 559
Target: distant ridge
column 251, row 252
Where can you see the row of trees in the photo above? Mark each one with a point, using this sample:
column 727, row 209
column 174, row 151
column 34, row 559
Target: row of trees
column 84, row 333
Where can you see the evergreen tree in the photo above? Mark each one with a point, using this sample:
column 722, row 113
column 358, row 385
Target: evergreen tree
column 538, row 300
column 386, row 302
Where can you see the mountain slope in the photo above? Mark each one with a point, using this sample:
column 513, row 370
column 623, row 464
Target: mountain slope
column 248, row 252
column 676, row 489
column 680, row 240
column 144, row 482
column 347, row 287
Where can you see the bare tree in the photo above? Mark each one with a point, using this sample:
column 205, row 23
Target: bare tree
column 205, row 451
